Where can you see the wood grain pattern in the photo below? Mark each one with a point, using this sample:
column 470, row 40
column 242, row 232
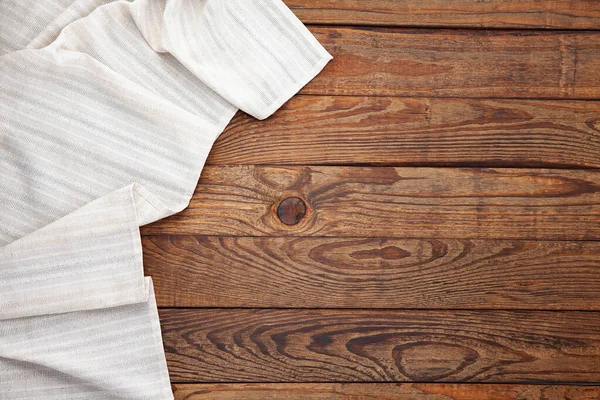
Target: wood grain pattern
column 394, row 202
column 347, row 130
column 459, row 63
column 193, row 271
column 381, row 391
column 565, row 14
column 377, row 250
column 236, row 345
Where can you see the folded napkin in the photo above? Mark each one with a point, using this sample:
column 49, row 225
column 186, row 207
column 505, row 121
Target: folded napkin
column 108, row 110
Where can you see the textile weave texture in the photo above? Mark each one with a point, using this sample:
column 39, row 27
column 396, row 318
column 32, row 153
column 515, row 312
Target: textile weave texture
column 108, row 112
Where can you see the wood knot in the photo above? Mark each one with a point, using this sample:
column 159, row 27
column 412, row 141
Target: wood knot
column 291, row 210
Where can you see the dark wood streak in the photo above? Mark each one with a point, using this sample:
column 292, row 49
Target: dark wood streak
column 394, row 202
column 530, row 14
column 348, row 130
column 204, row 271
column 372, row 346
column 458, row 63
column 382, row 391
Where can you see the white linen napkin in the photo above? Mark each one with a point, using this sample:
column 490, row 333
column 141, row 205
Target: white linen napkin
column 108, row 110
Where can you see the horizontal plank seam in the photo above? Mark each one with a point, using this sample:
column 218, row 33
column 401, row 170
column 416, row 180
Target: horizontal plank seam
column 476, row 310
column 451, row 97
column 377, row 237
column 426, row 383
column 437, row 96
column 150, row 235
column 277, row 165
column 449, row 27
column 520, row 383
column 384, row 27
column 437, row 165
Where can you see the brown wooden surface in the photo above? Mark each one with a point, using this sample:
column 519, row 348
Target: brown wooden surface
column 320, row 245
column 191, row 271
column 334, row 130
column 222, row 345
column 384, row 391
column 394, row 202
column 564, row 14
column 458, row 63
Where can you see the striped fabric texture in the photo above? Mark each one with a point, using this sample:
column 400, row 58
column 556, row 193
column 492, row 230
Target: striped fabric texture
column 108, row 110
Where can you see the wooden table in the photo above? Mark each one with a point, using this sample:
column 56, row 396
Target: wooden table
column 424, row 216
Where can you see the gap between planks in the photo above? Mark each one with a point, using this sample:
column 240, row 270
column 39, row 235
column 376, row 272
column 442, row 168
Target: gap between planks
column 384, row 391
column 529, row 14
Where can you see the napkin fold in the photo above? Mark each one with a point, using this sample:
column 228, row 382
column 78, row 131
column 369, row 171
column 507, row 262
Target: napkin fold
column 108, row 110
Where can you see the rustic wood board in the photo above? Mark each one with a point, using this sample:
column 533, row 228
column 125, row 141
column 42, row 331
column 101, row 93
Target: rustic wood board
column 240, row 345
column 394, row 202
column 458, row 63
column 382, row 391
column 336, row 250
column 349, row 130
column 192, row 271
column 566, row 14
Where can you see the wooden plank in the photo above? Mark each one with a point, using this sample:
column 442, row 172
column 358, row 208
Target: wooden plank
column 529, row 14
column 347, row 130
column 393, row 202
column 191, row 271
column 245, row 345
column 459, row 63
column 381, row 391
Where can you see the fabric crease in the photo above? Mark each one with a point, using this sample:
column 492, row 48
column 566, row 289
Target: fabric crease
column 108, row 110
